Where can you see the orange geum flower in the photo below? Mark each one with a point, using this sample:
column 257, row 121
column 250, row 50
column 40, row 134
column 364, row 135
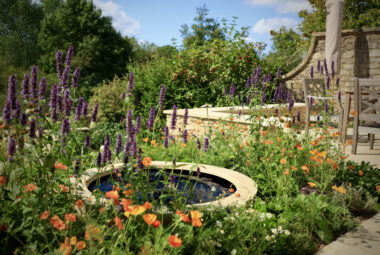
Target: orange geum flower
column 149, row 218
column 30, row 187
column 175, row 241
column 3, row 181
column 57, row 223
column 113, row 194
column 147, row 205
column 311, row 184
column 65, row 247
column 118, row 223
column 378, row 188
column 73, row 240
column 268, row 142
column 305, row 168
column 146, row 139
column 183, row 216
column 294, row 168
column 79, row 203
column 286, row 172
column 353, row 113
column 283, row 161
column 44, row 215
column 126, row 203
column 340, row 189
column 134, row 210
column 361, row 172
column 156, row 223
column 196, row 218
column 70, row 217
column 81, row 245
column 263, row 133
column 60, row 166
column 128, row 192
column 147, row 161
column 63, row 188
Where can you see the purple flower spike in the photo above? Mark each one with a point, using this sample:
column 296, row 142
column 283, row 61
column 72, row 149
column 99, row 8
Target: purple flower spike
column 34, row 73
column 172, row 179
column 184, row 136
column 318, row 118
column 65, row 77
column 69, row 55
column 291, row 104
column 95, row 113
column 75, row 79
column 129, row 124
column 32, row 128
column 206, row 144
column 332, row 68
column 7, row 112
column 67, row 103
column 199, row 146
column 78, row 110
column 12, row 90
column 58, row 57
column 174, row 161
column 138, row 124
column 299, row 116
column 312, row 72
column 325, row 65
column 87, row 142
column 337, row 82
column 328, row 82
column 53, row 96
column 130, row 84
column 54, row 115
column 85, row 109
column 161, row 99
column 198, row 171
column 279, row 72
column 174, row 117
column 319, row 65
column 17, row 112
column 11, row 150
column 151, row 118
column 339, row 96
column 65, row 127
column 42, row 88
column 326, row 106
column 166, row 139
column 23, row 119
column 122, row 96
column 25, row 87
column 99, row 159
column 185, row 116
column 232, row 91
column 118, row 144
column 311, row 100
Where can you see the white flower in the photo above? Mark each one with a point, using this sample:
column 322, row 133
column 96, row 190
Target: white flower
column 254, row 239
column 213, row 188
column 268, row 238
column 233, row 252
column 218, row 244
column 273, row 236
column 232, row 218
column 287, row 232
column 269, row 215
column 274, row 231
column 222, row 231
column 219, row 224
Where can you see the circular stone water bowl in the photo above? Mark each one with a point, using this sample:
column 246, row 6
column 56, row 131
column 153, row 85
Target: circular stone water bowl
column 244, row 187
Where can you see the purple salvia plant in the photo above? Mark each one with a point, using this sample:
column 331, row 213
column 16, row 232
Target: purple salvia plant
column 68, row 103
column 328, row 82
column 139, row 163
column 185, row 116
column 318, row 118
column 248, row 99
column 184, row 136
column 54, row 115
column 69, row 55
column 299, row 116
column 85, row 109
column 339, row 96
column 65, row 77
column 161, row 98
column 174, row 117
column 87, row 142
column 321, row 69
column 95, row 113
column 325, row 65
column 311, row 101
column 58, row 58
column 122, row 96
column 166, row 139
column 138, row 124
column 75, row 79
column 133, row 148
column 337, row 82
column 32, row 128
column 294, row 120
column 332, row 68
column 12, row 91
column 318, row 65
column 263, row 96
column 239, row 113
column 42, row 88
column 129, row 124
column 60, row 102
column 11, row 150
column 130, row 84
column 198, row 171
column 99, row 159
column 33, row 82
column 279, row 72
column 199, row 146
column 25, row 87
column 151, row 118
column 206, row 144
column 291, row 104
column 23, row 119
column 312, row 73
column 7, row 112
column 232, row 91
column 326, row 106
column 53, row 96
column 78, row 110
column 174, row 161
column 65, row 127
column 17, row 111
column 118, row 144
column 109, row 155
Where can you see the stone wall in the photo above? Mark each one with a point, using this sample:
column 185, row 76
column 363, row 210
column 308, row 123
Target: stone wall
column 360, row 58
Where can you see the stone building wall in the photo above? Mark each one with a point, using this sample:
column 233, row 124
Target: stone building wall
column 360, row 59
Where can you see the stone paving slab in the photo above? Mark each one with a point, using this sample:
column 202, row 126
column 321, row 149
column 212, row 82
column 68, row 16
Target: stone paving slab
column 363, row 240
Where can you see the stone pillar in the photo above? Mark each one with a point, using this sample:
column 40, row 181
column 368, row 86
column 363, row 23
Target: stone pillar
column 334, row 18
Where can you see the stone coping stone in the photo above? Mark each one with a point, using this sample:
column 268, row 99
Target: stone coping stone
column 222, row 113
column 245, row 187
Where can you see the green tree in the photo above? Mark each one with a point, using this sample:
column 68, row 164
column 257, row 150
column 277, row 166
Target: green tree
column 357, row 14
column 204, row 29
column 101, row 52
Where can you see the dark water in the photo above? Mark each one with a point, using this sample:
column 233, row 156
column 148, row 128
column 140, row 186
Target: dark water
column 193, row 190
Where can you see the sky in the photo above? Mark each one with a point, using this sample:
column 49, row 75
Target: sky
column 158, row 21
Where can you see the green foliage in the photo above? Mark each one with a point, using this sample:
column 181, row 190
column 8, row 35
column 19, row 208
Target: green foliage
column 204, row 29
column 145, row 51
column 103, row 53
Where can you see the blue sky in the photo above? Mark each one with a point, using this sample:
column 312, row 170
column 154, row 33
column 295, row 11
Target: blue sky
column 158, row 21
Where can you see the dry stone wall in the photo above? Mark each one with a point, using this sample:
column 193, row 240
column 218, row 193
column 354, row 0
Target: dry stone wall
column 360, row 59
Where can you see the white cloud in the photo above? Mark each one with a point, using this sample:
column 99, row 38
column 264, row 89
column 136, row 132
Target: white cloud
column 263, row 26
column 120, row 19
column 283, row 6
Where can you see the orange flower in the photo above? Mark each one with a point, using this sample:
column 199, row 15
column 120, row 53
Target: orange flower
column 118, row 223
column 231, row 190
column 198, row 122
column 149, row 218
column 126, row 203
column 311, row 184
column 3, row 181
column 73, row 240
column 175, row 241
column 353, row 113
column 378, row 188
column 263, row 133
column 147, row 205
column 65, row 247
column 314, row 143
column 146, row 140
column 134, row 210
column 57, row 223
column 79, row 203
column 294, row 168
column 286, row 172
column 147, row 161
column 305, row 168
column 113, row 194
column 278, row 139
column 330, row 161
column 44, row 215
column 101, row 209
column 283, row 161
column 30, row 187
column 335, row 166
column 183, row 216
column 349, row 141
column 361, row 172
column 60, row 166
column 93, row 233
column 340, row 189
column 128, row 192
column 63, row 188
column 350, row 167
column 268, row 142
column 70, row 217
column 81, row 245
column 156, row 223
column 287, row 125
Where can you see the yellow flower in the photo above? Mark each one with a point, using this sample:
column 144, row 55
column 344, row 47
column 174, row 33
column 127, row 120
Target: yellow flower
column 311, row 184
column 340, row 189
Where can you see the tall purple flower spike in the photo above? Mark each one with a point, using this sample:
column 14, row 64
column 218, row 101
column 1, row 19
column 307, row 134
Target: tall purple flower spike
column 161, row 98
column 174, row 117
